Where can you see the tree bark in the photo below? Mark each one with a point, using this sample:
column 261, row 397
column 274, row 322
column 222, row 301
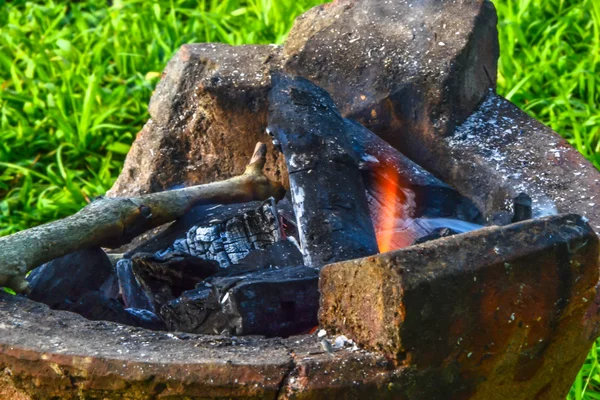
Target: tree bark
column 110, row 222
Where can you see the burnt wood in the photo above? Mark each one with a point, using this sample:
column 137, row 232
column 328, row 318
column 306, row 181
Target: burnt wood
column 131, row 292
column 326, row 184
column 165, row 277
column 272, row 302
column 229, row 238
column 522, row 207
column 69, row 277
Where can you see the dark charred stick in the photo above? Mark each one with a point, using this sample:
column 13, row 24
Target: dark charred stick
column 327, row 189
column 131, row 291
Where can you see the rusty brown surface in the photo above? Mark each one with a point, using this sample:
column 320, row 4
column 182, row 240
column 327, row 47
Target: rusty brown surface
column 497, row 313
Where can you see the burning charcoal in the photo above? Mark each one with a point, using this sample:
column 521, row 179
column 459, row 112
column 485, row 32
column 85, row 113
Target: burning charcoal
column 147, row 319
column 164, row 277
column 132, row 294
column 420, row 194
column 522, row 207
column 69, row 277
column 273, row 302
column 227, row 239
column 436, row 234
column 398, row 191
column 97, row 307
column 327, row 189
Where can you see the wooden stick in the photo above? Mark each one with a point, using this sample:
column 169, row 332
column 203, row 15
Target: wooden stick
column 111, row 222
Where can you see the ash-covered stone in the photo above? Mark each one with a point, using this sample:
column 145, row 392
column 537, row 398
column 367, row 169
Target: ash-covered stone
column 499, row 152
column 207, row 113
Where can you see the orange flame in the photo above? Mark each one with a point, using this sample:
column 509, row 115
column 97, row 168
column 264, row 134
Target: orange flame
column 388, row 186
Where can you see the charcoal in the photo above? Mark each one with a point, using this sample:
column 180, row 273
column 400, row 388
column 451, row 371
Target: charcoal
column 228, row 238
column 69, row 277
column 164, row 277
column 436, row 234
column 327, row 189
column 272, row 302
column 132, row 294
column 110, row 287
column 147, row 319
column 278, row 254
column 522, row 208
column 95, row 306
column 188, row 312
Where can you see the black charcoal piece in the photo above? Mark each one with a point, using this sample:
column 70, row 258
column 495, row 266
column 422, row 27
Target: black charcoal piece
column 164, row 277
column 97, row 307
column 147, row 319
column 272, row 302
column 132, row 294
column 228, row 238
column 328, row 194
column 69, row 277
column 436, row 234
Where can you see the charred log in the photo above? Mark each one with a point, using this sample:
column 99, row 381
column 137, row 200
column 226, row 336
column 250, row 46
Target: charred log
column 69, row 277
column 165, row 277
column 419, row 193
column 228, row 239
column 327, row 189
column 273, row 302
column 130, row 290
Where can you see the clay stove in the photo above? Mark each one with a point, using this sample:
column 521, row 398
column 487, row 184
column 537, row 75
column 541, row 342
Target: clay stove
column 505, row 311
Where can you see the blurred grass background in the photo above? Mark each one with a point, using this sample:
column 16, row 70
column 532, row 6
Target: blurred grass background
column 76, row 77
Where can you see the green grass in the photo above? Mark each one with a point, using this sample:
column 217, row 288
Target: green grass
column 76, row 77
column 75, row 81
